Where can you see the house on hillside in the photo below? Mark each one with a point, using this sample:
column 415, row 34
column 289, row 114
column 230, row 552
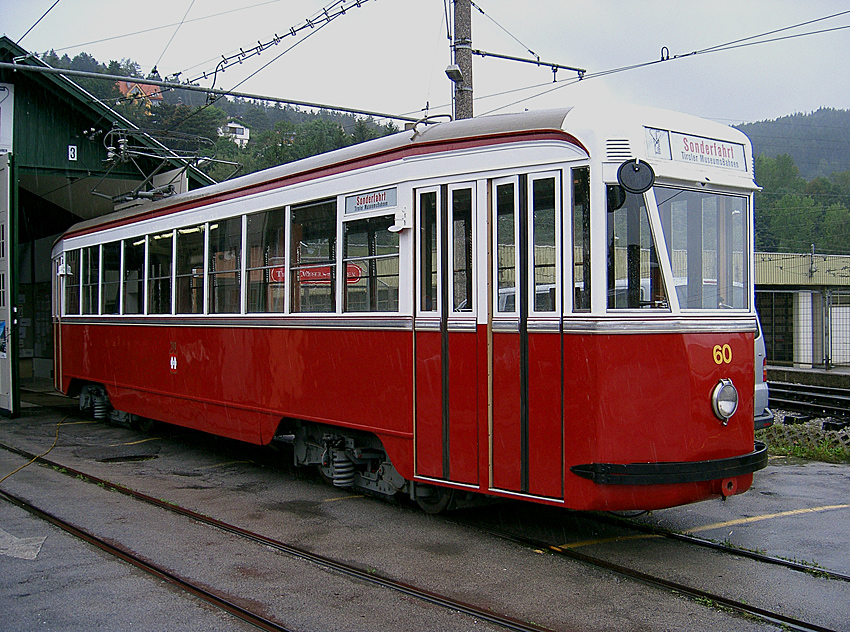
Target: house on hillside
column 145, row 93
column 238, row 132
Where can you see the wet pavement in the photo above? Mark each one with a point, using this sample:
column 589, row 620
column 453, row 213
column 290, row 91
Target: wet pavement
column 797, row 510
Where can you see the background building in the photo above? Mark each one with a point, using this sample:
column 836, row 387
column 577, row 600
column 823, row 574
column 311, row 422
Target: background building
column 65, row 157
column 804, row 305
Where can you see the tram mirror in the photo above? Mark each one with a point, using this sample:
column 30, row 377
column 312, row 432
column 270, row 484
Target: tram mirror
column 616, row 197
column 635, row 176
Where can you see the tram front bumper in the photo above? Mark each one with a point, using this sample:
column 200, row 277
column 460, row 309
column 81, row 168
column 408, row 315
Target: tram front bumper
column 670, row 473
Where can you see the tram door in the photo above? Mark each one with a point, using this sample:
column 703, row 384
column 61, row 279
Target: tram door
column 446, row 338
column 525, row 338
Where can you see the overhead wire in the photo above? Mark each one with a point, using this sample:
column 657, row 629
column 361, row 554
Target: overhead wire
column 36, row 22
column 328, row 14
column 316, row 24
column 665, row 56
column 444, row 21
column 785, row 28
column 511, row 35
column 173, row 35
column 165, row 26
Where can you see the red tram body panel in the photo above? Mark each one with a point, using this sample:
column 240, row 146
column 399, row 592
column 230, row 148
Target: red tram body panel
column 496, row 338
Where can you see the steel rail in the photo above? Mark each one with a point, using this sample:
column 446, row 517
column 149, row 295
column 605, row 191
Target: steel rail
column 404, row 588
column 149, row 567
column 653, row 580
column 812, row 399
column 718, row 546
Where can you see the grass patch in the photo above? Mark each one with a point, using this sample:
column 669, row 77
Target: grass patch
column 821, row 451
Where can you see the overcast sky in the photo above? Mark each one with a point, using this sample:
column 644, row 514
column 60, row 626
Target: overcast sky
column 390, row 55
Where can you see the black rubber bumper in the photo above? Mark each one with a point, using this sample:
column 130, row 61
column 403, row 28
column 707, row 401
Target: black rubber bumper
column 672, row 473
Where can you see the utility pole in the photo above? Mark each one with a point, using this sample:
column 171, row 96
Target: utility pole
column 462, row 50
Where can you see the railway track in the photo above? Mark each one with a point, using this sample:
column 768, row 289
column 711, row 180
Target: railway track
column 702, row 596
column 717, row 546
column 219, row 601
column 229, row 605
column 814, row 400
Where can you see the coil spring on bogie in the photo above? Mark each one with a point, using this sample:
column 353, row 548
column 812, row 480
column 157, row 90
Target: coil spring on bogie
column 343, row 469
column 101, row 407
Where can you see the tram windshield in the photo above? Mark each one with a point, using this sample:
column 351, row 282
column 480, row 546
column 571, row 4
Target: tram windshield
column 706, row 239
column 634, row 274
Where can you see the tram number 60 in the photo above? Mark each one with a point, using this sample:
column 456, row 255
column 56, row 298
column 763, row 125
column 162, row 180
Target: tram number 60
column 722, row 355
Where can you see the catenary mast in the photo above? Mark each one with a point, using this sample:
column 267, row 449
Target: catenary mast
column 462, row 49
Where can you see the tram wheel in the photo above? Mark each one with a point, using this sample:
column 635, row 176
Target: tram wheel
column 325, row 473
column 143, row 424
column 436, row 502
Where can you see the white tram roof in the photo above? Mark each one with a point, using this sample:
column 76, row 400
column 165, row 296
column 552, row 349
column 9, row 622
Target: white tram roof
column 608, row 134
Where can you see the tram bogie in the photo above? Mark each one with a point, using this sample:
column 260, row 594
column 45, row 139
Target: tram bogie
column 484, row 307
column 348, row 459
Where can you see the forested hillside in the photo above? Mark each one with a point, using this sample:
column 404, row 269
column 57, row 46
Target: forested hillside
column 279, row 134
column 819, row 143
column 803, row 167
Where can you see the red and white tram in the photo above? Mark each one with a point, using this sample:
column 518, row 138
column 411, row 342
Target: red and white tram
column 556, row 306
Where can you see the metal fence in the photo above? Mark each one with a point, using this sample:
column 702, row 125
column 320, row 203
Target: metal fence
column 806, row 328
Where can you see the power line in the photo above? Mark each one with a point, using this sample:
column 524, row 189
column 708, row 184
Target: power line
column 320, row 19
column 786, row 28
column 211, row 101
column 192, row 88
column 511, row 35
column 173, row 35
column 36, row 22
column 165, row 26
column 316, row 23
column 665, row 55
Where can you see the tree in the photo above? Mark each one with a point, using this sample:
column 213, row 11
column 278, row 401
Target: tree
column 204, row 121
column 274, row 147
column 104, row 90
column 317, row 137
column 835, row 228
column 792, row 222
column 279, row 133
column 779, row 175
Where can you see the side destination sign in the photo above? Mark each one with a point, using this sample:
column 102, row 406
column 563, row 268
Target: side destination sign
column 695, row 150
column 386, row 198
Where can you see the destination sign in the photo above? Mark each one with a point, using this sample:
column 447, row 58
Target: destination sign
column 695, row 150
column 385, row 198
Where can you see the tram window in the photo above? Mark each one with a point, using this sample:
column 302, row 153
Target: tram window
column 370, row 257
column 544, row 250
column 72, row 282
column 313, row 257
column 428, row 251
column 190, row 270
column 581, row 239
column 706, row 239
column 267, row 262
column 111, row 278
column 134, row 275
column 225, row 266
column 91, row 279
column 160, row 259
column 462, row 250
column 634, row 276
column 506, row 247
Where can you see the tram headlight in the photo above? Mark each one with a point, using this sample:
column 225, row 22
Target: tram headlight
column 724, row 400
